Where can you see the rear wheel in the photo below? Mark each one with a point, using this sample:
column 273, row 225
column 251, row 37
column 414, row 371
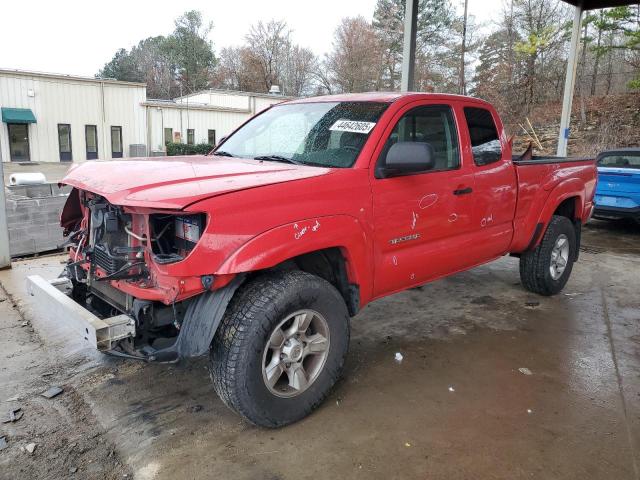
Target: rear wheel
column 547, row 268
column 280, row 347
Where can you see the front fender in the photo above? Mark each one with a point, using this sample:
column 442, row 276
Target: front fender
column 304, row 236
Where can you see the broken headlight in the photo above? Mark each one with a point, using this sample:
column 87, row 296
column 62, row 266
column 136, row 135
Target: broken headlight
column 174, row 236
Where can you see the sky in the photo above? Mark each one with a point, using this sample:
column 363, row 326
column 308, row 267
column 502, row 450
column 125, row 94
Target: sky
column 78, row 37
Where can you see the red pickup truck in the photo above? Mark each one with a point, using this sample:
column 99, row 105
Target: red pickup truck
column 260, row 252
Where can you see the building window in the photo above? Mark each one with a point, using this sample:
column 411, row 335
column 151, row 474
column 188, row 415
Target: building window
column 91, row 136
column 168, row 135
column 485, row 142
column 64, row 142
column 191, row 136
column 116, row 142
column 211, row 137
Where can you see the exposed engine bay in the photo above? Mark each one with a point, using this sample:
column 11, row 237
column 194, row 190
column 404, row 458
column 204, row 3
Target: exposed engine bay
column 114, row 253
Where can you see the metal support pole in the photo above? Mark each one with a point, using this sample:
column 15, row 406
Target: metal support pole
column 5, row 256
column 409, row 48
column 463, row 48
column 569, row 84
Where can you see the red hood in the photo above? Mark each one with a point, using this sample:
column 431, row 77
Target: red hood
column 175, row 182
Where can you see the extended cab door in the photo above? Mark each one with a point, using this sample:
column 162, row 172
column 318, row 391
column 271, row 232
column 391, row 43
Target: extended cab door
column 495, row 189
column 420, row 220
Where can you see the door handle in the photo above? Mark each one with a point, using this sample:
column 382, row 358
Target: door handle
column 463, row 191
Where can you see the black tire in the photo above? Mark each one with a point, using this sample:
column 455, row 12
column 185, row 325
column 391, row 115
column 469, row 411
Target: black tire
column 534, row 265
column 236, row 354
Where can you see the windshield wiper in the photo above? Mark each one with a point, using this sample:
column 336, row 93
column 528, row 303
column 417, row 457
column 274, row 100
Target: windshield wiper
column 277, row 158
column 222, row 153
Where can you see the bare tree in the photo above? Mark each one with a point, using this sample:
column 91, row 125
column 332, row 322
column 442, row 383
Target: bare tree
column 354, row 61
column 268, row 44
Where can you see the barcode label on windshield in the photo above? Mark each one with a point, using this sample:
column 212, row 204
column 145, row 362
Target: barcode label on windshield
column 352, row 126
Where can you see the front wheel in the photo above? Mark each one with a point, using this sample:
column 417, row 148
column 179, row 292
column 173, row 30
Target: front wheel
column 546, row 269
column 280, row 347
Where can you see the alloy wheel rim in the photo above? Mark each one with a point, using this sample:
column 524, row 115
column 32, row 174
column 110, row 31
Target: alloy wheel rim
column 559, row 257
column 295, row 353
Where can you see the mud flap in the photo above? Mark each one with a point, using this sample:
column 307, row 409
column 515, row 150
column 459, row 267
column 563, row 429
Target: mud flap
column 200, row 323
column 578, row 227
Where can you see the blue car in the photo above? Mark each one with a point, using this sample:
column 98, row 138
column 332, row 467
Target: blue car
column 618, row 191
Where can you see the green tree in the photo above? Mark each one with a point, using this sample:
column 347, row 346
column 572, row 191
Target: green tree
column 621, row 25
column 122, row 67
column 191, row 52
column 435, row 21
column 178, row 64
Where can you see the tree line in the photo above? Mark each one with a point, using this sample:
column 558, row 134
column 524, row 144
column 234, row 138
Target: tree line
column 517, row 62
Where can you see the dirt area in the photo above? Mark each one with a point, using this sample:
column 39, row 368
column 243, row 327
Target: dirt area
column 64, row 430
column 495, row 383
column 598, row 124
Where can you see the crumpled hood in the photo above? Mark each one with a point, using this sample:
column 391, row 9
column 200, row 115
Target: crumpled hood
column 176, row 182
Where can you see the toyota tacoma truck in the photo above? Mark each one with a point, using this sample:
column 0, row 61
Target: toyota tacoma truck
column 258, row 253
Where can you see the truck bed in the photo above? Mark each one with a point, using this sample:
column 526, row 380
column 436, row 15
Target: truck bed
column 539, row 160
column 547, row 177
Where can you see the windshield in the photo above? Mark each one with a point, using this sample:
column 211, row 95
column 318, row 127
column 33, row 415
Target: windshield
column 327, row 134
column 620, row 161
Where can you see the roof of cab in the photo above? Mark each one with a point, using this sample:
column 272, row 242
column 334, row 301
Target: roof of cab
column 382, row 97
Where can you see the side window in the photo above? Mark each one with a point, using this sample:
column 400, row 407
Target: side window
column 433, row 124
column 485, row 142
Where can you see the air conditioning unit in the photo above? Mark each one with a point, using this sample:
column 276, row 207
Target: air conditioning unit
column 137, row 150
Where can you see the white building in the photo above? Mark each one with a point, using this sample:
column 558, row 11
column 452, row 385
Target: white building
column 62, row 118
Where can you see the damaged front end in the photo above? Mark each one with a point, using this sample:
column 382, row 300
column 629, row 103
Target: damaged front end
column 126, row 268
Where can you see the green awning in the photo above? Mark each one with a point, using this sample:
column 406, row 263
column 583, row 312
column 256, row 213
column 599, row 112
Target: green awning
column 18, row 115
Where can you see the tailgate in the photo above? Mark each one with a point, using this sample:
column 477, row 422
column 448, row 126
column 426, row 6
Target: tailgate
column 618, row 180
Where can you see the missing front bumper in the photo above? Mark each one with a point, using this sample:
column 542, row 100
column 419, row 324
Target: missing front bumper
column 51, row 301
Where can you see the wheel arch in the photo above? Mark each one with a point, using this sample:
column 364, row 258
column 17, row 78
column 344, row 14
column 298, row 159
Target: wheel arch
column 565, row 200
column 335, row 248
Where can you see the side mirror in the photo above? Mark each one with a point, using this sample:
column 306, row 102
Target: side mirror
column 404, row 158
column 221, row 141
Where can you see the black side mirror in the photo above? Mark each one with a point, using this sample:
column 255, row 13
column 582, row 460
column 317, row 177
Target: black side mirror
column 221, row 141
column 404, row 158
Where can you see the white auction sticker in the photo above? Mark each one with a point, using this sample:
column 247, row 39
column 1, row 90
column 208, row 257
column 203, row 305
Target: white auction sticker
column 352, row 126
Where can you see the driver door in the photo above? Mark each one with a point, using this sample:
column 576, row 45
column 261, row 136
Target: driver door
column 420, row 219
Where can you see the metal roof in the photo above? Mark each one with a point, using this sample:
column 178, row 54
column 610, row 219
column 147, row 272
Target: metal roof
column 69, row 78
column 234, row 92
column 594, row 4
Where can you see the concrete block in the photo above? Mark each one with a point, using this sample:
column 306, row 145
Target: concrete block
column 38, row 191
column 16, row 191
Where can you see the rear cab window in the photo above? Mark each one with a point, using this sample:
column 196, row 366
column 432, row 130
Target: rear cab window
column 485, row 141
column 620, row 160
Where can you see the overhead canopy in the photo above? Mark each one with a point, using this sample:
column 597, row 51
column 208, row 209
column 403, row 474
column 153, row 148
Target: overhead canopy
column 593, row 4
column 18, row 115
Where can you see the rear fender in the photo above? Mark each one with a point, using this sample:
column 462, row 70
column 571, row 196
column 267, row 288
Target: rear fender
column 567, row 189
column 287, row 241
